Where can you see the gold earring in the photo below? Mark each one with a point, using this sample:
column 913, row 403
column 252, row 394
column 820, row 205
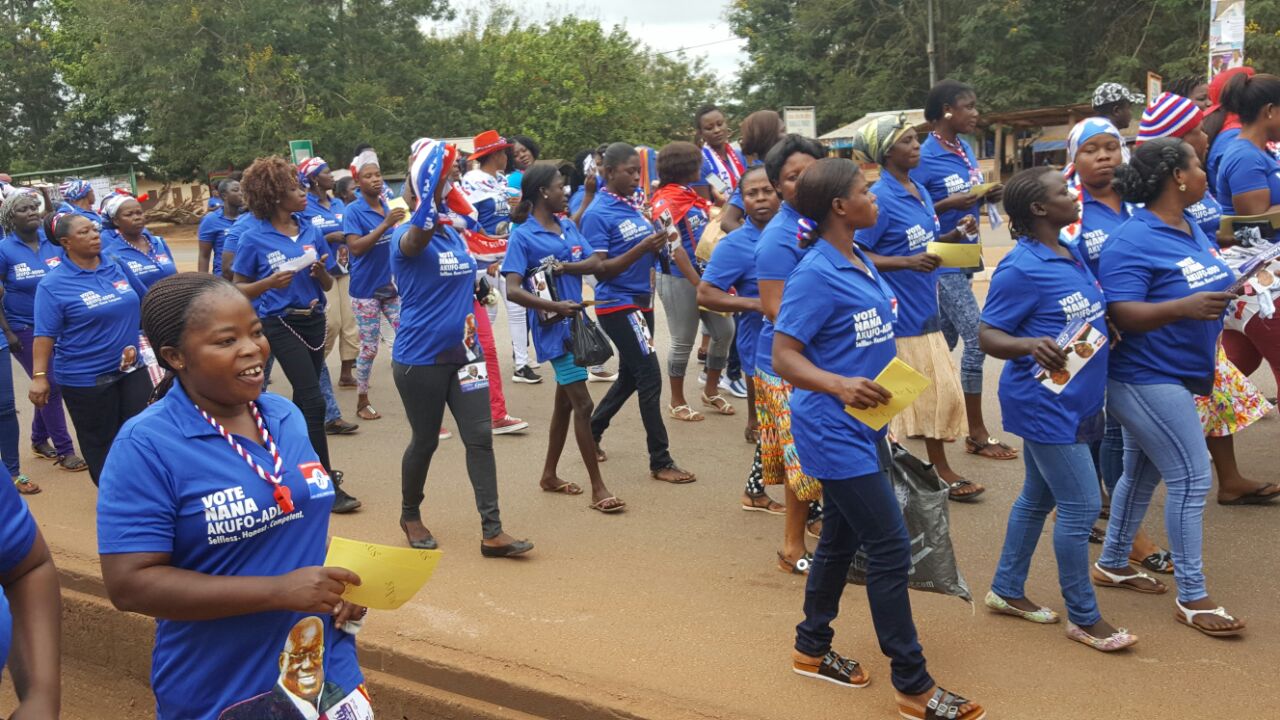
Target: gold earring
column 1182, row 187
column 947, row 116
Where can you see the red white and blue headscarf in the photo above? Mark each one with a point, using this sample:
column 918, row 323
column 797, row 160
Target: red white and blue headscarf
column 429, row 164
column 1084, row 131
column 1169, row 116
column 308, row 170
column 111, row 205
column 73, row 189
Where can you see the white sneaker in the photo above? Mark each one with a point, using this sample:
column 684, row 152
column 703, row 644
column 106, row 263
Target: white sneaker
column 735, row 388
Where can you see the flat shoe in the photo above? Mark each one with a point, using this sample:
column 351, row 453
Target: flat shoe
column 511, row 549
column 427, row 543
column 1042, row 616
column 1118, row 640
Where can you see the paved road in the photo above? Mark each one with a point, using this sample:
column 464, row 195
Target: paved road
column 676, row 609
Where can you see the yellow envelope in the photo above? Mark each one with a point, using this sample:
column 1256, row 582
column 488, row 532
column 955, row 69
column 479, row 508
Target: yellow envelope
column 957, row 255
column 982, row 189
column 389, row 576
column 904, row 382
column 400, row 203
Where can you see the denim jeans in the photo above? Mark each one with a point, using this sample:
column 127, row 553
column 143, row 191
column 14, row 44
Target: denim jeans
column 1061, row 476
column 680, row 302
column 958, row 310
column 331, row 410
column 863, row 511
column 1111, row 453
column 1163, row 437
column 8, row 416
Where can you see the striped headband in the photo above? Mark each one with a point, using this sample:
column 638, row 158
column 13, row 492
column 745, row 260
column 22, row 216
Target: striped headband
column 1170, row 116
column 73, row 189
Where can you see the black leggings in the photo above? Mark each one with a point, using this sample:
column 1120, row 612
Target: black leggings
column 638, row 372
column 425, row 390
column 98, row 412
column 290, row 338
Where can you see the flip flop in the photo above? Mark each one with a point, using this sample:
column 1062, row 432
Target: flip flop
column 1104, row 578
column 566, row 488
column 799, row 567
column 609, row 505
column 689, row 477
column 1257, row 497
column 772, row 507
column 367, row 413
column 973, row 447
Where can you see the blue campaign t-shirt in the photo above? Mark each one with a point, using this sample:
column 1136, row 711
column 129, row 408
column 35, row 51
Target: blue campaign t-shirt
column 945, row 173
column 615, row 227
column 532, row 245
column 173, row 485
column 94, row 318
column 1097, row 222
column 1064, row 291
column 328, row 220
column 437, row 289
column 904, row 227
column 1213, row 163
column 709, row 166
column 733, row 267
column 17, row 535
column 263, row 249
column 372, row 270
column 844, row 318
column 21, row 270
column 778, row 252
column 1148, row 261
column 1207, row 213
column 148, row 267
column 213, row 232
column 691, row 228
column 231, row 244
column 93, row 217
column 1244, row 168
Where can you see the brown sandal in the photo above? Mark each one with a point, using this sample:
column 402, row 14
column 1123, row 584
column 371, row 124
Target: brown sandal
column 367, row 412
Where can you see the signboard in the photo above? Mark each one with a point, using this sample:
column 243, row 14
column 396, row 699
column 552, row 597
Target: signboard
column 801, row 120
column 1226, row 35
column 1155, row 86
column 300, row 150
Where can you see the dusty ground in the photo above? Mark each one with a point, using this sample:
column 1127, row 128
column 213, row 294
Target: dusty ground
column 675, row 609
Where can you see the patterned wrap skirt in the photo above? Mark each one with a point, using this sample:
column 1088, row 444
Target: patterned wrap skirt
column 778, row 457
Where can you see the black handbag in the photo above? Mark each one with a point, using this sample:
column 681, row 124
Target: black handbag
column 587, row 341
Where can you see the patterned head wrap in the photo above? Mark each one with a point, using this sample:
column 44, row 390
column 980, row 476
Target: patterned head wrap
column 876, row 137
column 308, row 169
column 363, row 160
column 429, row 164
column 1170, row 116
column 15, row 201
column 111, row 205
column 73, row 189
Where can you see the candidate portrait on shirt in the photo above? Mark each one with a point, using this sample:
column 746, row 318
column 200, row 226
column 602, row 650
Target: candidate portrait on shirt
column 302, row 692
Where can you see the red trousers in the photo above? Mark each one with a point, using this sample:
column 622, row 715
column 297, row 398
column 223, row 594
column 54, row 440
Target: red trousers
column 497, row 403
column 1260, row 341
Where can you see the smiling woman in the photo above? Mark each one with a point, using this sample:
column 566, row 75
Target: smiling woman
column 209, row 554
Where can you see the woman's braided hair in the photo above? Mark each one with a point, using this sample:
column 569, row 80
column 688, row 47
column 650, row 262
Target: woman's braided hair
column 1143, row 178
column 1022, row 191
column 167, row 309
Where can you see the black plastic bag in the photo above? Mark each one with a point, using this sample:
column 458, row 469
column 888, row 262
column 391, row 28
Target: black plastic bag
column 922, row 495
column 587, row 342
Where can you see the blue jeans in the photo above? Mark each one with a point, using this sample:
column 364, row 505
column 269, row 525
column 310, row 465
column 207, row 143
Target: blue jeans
column 863, row 511
column 1162, row 438
column 1111, row 453
column 331, row 410
column 958, row 311
column 8, row 414
column 1061, row 476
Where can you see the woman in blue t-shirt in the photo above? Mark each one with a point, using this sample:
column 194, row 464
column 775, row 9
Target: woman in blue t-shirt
column 368, row 223
column 730, row 285
column 546, row 259
column 271, row 268
column 86, row 318
column 126, row 239
column 1054, row 420
column 616, row 224
column 678, row 278
column 26, row 257
column 833, row 333
column 898, row 245
column 227, row 559
column 949, row 170
column 722, row 163
column 326, row 211
column 212, row 235
column 760, row 130
column 439, row 360
column 30, row 609
column 1165, row 288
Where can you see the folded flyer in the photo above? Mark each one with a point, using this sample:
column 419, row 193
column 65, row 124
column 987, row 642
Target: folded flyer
column 299, row 264
column 1081, row 341
column 1255, row 266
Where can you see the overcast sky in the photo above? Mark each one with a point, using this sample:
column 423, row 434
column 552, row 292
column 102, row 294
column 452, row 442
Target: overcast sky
column 661, row 24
